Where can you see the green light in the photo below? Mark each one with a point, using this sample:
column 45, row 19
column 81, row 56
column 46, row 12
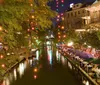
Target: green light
column 62, row 5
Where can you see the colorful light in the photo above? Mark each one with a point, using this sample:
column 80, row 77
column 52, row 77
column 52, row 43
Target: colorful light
column 33, row 16
column 28, row 30
column 0, row 28
column 35, row 76
column 57, row 19
column 35, row 70
column 3, row 65
column 1, row 56
column 64, row 36
column 31, row 4
column 33, row 28
column 62, row 27
column 58, row 16
column 58, row 26
column 62, row 14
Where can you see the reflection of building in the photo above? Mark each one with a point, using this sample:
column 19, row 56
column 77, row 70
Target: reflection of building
column 82, row 14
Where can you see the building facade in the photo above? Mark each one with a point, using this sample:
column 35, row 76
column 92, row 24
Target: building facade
column 81, row 15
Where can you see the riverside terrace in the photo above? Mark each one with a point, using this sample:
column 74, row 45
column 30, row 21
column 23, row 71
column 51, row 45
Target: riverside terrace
column 90, row 65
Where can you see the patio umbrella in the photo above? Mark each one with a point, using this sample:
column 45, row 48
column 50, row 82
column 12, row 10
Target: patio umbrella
column 85, row 55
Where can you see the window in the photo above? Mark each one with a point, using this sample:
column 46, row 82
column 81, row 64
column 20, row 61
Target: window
column 75, row 14
column 71, row 14
column 78, row 12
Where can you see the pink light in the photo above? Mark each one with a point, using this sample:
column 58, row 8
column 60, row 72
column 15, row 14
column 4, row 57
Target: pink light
column 57, row 19
column 28, row 30
column 58, row 16
column 62, row 1
column 33, row 28
column 35, row 76
column 56, row 5
column 62, row 14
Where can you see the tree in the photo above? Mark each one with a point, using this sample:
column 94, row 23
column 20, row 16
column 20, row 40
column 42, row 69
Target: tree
column 15, row 12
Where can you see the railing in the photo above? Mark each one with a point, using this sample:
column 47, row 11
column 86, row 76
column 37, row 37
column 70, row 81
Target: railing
column 84, row 78
column 13, row 66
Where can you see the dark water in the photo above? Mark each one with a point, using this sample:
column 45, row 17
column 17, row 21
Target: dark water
column 48, row 70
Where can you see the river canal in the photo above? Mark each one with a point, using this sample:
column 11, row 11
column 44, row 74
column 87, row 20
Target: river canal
column 47, row 68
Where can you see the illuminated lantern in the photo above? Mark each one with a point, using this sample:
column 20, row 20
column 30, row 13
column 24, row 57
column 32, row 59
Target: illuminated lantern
column 31, row 4
column 57, row 2
column 58, row 32
column 62, row 27
column 35, row 76
column 1, row 56
column 62, row 1
column 62, row 18
column 28, row 30
column 33, row 17
column 64, row 36
column 57, row 6
column 58, row 16
column 57, row 19
column 58, row 26
column 33, row 28
column 35, row 70
column 59, row 36
column 3, row 65
column 62, row 14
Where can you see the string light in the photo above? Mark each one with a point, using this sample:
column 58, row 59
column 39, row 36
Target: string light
column 3, row 65
column 1, row 56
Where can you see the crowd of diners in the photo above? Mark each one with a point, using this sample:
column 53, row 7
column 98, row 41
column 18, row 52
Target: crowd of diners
column 92, row 69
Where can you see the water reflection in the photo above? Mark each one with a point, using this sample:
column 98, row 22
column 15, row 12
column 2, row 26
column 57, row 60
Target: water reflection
column 49, row 53
column 6, row 81
column 58, row 56
column 37, row 55
column 21, row 69
column 15, row 74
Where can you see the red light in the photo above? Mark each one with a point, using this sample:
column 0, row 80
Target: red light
column 1, row 56
column 59, row 36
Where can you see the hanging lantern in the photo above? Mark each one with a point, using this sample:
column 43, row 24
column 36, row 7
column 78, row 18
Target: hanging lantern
column 3, row 65
column 1, row 56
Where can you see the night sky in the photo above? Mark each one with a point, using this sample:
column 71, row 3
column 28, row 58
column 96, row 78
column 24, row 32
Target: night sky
column 66, row 4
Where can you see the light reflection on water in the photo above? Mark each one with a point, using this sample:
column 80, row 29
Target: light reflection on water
column 57, row 56
column 49, row 53
column 15, row 74
column 20, row 70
